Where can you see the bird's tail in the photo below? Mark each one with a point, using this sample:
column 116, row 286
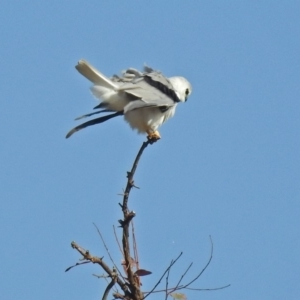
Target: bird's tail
column 93, row 122
column 103, row 89
column 95, row 76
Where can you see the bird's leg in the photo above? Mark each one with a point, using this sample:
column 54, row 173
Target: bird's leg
column 153, row 136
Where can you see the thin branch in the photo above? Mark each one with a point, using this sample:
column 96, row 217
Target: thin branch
column 130, row 182
column 77, row 264
column 134, row 284
column 135, row 250
column 101, row 276
column 167, row 283
column 107, row 250
column 182, row 276
column 186, row 286
column 115, row 233
column 118, row 296
column 97, row 260
column 205, row 267
column 110, row 285
column 163, row 275
column 105, row 278
column 194, row 289
column 212, row 289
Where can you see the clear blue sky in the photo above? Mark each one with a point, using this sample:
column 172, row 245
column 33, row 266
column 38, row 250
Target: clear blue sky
column 227, row 165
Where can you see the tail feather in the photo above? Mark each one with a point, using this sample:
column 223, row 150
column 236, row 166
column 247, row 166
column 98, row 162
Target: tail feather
column 100, row 105
column 94, row 113
column 93, row 122
column 95, row 76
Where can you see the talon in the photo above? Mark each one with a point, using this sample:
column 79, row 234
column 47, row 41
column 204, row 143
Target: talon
column 153, row 136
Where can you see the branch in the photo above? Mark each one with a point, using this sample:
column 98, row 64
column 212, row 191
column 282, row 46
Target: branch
column 182, row 276
column 205, row 267
column 134, row 284
column 135, row 251
column 212, row 289
column 110, row 285
column 130, row 182
column 106, row 248
column 163, row 275
column 77, row 264
column 97, row 260
column 178, row 287
column 115, row 233
column 167, row 283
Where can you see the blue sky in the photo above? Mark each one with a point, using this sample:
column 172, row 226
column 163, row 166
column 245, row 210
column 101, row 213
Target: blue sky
column 227, row 165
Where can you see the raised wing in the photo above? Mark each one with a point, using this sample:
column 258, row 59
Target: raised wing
column 150, row 89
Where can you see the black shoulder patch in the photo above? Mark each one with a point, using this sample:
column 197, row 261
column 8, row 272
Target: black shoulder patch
column 163, row 88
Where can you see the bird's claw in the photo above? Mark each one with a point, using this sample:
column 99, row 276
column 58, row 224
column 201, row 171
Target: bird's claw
column 153, row 136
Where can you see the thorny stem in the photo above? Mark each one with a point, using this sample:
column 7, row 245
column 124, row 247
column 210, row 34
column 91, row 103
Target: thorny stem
column 130, row 182
column 131, row 284
column 133, row 280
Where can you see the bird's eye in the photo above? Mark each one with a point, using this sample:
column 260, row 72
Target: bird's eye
column 187, row 92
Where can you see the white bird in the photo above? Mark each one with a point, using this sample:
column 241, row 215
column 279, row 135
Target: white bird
column 146, row 99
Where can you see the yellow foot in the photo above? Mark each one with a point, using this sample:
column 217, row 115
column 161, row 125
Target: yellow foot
column 153, row 136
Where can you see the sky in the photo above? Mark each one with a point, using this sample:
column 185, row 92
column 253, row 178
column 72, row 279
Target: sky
column 227, row 165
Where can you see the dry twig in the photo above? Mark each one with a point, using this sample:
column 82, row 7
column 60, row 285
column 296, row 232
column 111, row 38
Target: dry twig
column 131, row 285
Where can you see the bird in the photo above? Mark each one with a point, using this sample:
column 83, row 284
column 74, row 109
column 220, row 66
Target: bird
column 145, row 98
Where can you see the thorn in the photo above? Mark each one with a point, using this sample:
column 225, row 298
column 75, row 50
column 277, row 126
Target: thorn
column 133, row 185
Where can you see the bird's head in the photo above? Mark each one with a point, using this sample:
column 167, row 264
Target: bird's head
column 181, row 87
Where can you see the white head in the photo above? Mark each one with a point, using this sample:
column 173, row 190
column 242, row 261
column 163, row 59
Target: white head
column 181, row 87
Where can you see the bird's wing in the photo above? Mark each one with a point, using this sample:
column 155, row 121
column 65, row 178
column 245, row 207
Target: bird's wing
column 150, row 89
